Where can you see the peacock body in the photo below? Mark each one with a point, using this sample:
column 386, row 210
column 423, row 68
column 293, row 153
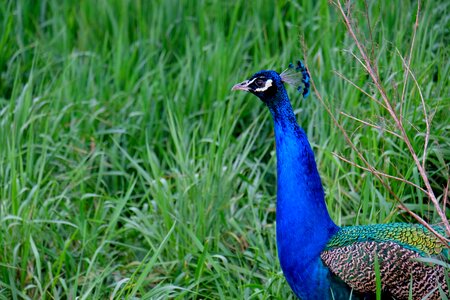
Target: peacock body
column 319, row 259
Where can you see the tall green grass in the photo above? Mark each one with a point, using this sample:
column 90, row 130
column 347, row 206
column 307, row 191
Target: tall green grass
column 129, row 169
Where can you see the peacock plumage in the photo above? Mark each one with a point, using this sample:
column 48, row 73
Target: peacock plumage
column 319, row 259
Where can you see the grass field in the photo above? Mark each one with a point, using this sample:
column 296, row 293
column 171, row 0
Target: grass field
column 128, row 169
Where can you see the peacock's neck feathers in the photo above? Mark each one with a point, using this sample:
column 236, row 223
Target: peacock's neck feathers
column 303, row 223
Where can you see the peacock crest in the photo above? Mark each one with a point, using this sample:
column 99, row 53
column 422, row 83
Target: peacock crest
column 298, row 76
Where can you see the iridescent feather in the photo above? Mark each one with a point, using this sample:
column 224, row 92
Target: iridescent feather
column 351, row 253
column 297, row 76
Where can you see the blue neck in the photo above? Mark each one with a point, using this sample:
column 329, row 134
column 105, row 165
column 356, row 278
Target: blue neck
column 303, row 223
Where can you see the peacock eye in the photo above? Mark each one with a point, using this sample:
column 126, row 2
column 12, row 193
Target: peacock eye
column 260, row 82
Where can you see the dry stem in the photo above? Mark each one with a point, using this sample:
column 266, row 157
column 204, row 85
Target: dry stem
column 371, row 69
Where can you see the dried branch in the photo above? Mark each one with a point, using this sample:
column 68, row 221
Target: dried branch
column 371, row 125
column 360, row 89
column 374, row 171
column 376, row 80
column 369, row 166
column 444, row 204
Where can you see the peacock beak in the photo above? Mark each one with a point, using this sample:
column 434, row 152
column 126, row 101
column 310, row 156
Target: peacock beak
column 243, row 86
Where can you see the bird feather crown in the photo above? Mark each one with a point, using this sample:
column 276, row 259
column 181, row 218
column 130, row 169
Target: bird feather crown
column 298, row 76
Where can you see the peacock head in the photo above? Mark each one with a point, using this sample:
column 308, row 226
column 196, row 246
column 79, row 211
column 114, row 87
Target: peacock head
column 267, row 84
column 264, row 84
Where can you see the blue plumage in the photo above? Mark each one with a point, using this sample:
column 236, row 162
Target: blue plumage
column 317, row 257
column 303, row 223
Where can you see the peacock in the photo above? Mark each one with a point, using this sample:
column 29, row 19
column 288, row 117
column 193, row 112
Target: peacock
column 319, row 259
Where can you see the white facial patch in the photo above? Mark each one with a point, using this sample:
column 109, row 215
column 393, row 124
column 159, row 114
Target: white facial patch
column 251, row 81
column 265, row 87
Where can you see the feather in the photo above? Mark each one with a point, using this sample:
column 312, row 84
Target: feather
column 399, row 269
column 297, row 76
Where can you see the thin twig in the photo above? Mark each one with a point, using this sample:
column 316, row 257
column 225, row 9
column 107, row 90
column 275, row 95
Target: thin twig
column 380, row 173
column 425, row 114
column 395, row 117
column 444, row 204
column 371, row 125
column 374, row 99
column 369, row 167
column 372, row 50
column 405, row 78
column 360, row 89
column 358, row 59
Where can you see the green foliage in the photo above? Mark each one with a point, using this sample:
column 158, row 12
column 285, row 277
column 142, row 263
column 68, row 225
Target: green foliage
column 129, row 169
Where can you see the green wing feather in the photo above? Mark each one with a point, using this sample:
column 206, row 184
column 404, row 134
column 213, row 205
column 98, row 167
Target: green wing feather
column 351, row 253
column 415, row 237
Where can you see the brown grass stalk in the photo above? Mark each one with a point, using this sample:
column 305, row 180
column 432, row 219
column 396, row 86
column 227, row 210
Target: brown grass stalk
column 370, row 67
